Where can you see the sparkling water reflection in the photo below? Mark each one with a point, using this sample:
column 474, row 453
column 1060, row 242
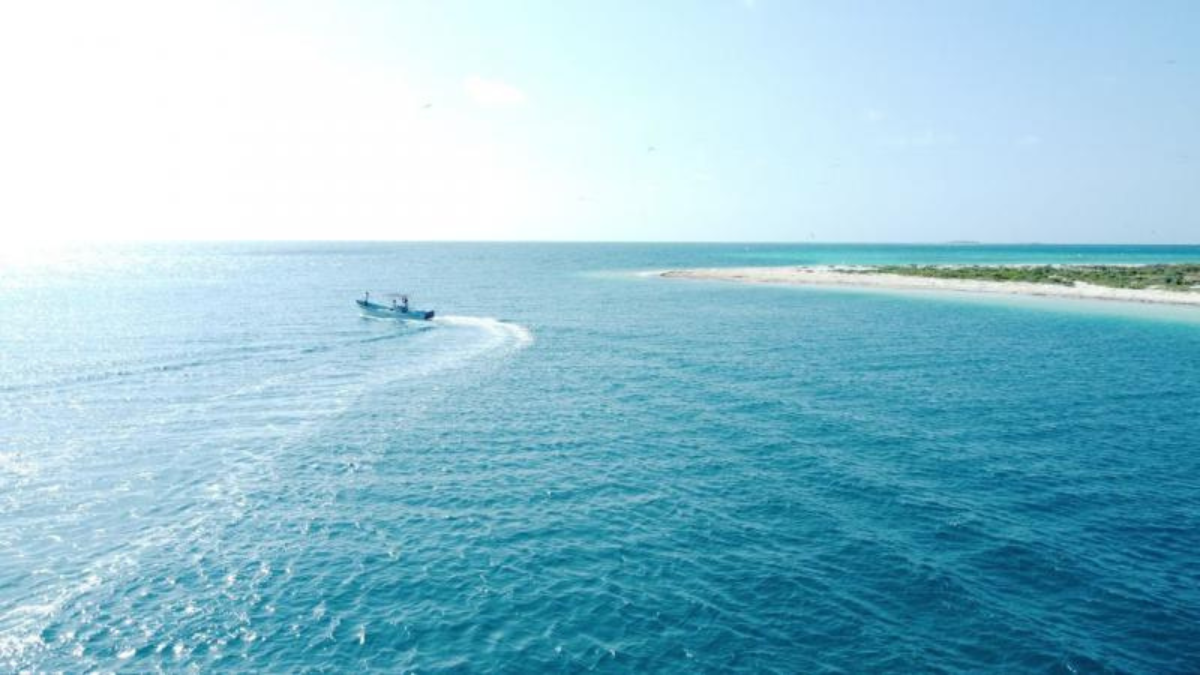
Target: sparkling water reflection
column 208, row 460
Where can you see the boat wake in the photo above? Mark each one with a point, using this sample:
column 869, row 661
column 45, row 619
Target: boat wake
column 502, row 331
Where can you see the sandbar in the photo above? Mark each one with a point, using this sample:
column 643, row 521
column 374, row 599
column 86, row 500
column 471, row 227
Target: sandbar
column 864, row 277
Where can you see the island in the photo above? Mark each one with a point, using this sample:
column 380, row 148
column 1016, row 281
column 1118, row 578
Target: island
column 1177, row 284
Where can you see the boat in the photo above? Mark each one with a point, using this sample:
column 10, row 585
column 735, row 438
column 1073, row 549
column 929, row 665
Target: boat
column 398, row 309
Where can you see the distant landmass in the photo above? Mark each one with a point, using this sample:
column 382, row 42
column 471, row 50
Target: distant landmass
column 1176, row 284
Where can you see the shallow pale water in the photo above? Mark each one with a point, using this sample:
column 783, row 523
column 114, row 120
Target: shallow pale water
column 208, row 460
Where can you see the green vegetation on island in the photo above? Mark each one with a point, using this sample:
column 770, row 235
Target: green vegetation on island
column 1178, row 277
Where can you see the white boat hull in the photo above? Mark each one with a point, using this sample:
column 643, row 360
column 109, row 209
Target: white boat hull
column 376, row 311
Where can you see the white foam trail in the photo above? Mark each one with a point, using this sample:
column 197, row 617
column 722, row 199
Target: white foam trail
column 24, row 623
column 520, row 335
column 301, row 398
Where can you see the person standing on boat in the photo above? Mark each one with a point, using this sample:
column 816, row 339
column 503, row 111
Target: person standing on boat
column 404, row 303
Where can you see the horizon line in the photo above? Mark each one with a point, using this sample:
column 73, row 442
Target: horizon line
column 698, row 242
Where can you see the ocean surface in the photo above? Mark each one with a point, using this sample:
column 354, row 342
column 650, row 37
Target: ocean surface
column 209, row 461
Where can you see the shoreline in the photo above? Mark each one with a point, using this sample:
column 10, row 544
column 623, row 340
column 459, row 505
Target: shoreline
column 825, row 275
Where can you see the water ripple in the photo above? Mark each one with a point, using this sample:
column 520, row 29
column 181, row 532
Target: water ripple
column 802, row 481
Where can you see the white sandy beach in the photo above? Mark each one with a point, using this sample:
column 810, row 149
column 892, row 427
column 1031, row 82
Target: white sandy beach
column 841, row 276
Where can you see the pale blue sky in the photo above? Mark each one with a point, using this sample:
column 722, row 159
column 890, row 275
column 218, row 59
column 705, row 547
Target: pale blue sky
column 734, row 121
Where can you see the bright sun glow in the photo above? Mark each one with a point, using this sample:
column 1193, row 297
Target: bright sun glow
column 203, row 121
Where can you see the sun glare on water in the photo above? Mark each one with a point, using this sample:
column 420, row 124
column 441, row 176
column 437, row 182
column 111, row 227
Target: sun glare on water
column 20, row 258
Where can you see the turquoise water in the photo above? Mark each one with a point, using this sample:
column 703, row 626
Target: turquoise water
column 207, row 460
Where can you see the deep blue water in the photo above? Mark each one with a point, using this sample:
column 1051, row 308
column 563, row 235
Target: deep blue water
column 208, row 460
